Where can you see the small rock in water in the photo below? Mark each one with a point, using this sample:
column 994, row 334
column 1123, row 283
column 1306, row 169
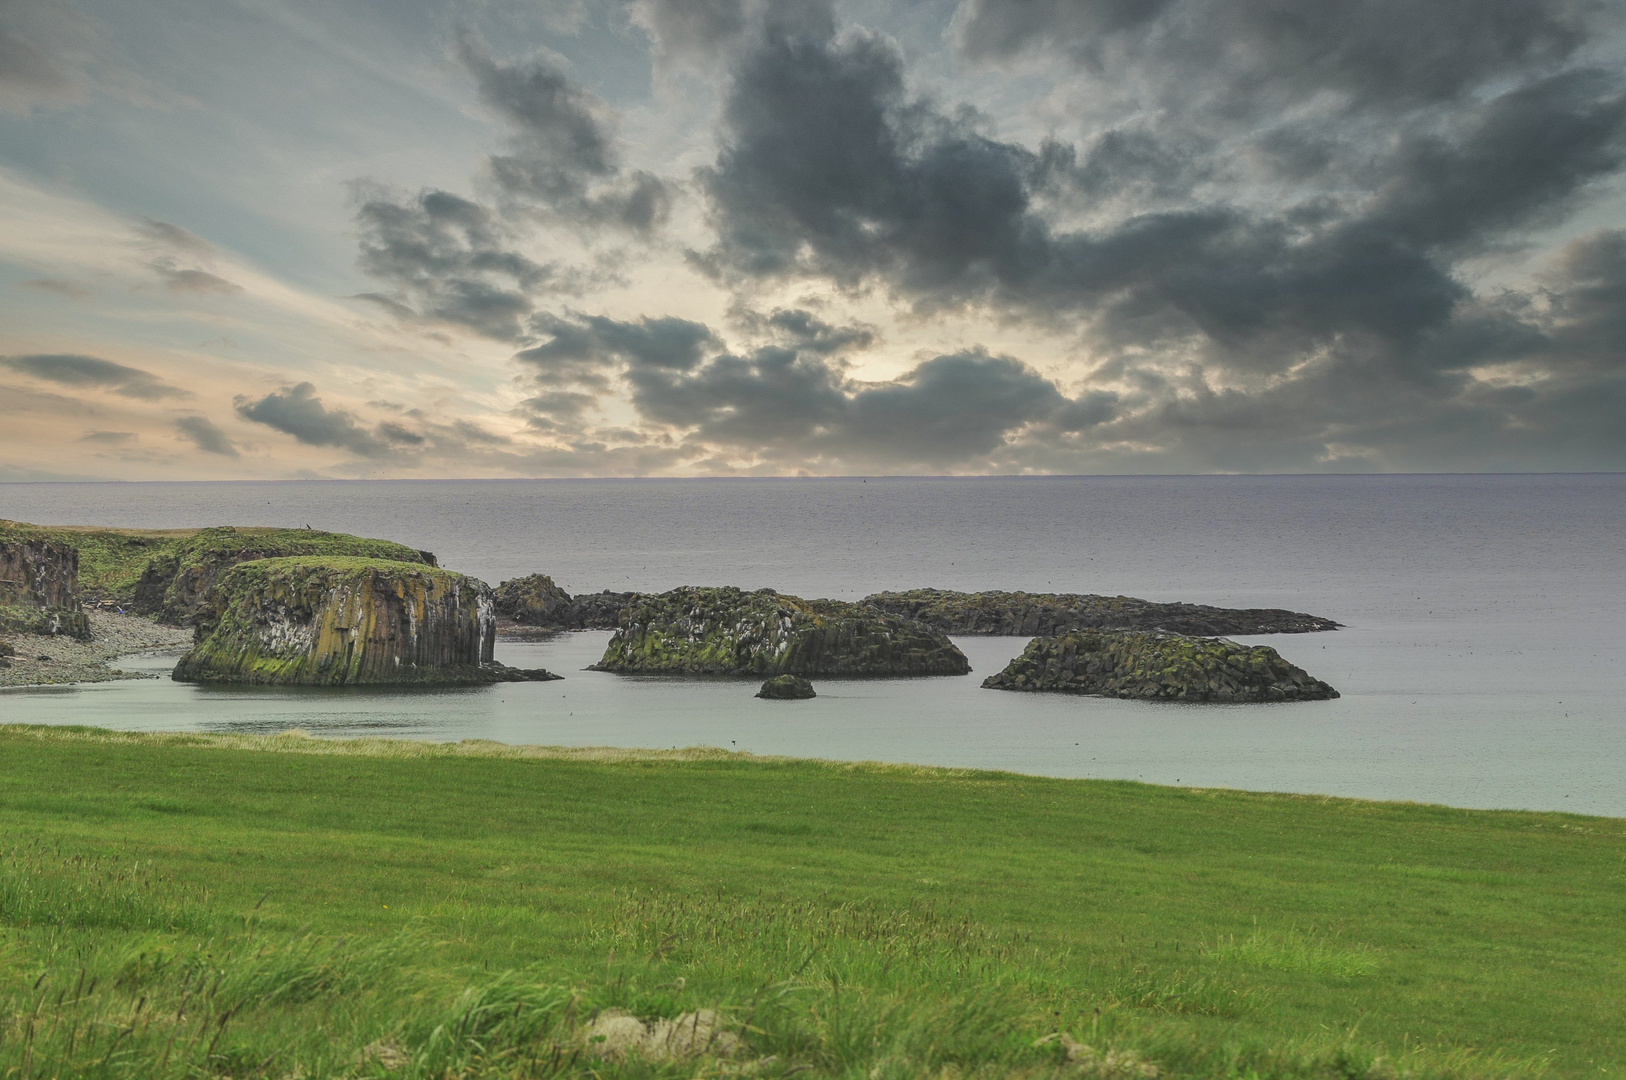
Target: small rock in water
column 786, row 688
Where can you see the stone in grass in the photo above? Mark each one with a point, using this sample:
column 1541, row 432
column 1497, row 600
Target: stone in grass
column 786, row 688
column 1157, row 667
column 335, row 621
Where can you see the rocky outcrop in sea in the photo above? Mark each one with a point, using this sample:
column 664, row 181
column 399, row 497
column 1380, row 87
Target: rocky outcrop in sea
column 178, row 578
column 727, row 631
column 536, row 601
column 787, row 688
column 39, row 588
column 1159, row 667
column 325, row 621
column 1021, row 614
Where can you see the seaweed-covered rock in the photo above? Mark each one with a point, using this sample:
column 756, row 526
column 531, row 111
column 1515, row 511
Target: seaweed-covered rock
column 1021, row 614
column 1163, row 667
column 177, row 580
column 324, row 621
column 39, row 588
column 536, row 601
column 787, row 688
column 726, row 631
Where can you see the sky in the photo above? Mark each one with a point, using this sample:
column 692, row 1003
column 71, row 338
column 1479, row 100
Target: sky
column 275, row 239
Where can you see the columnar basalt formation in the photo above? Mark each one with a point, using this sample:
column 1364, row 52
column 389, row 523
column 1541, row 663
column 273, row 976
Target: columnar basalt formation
column 726, row 631
column 39, row 588
column 177, row 580
column 536, row 601
column 1158, row 667
column 324, row 621
column 1021, row 614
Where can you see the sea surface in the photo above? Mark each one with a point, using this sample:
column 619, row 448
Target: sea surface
column 1480, row 664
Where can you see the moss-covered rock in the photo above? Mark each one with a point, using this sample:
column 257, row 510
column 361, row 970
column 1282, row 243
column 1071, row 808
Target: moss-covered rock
column 336, row 621
column 177, row 579
column 1021, row 614
column 1154, row 666
column 787, row 688
column 726, row 631
column 536, row 601
column 110, row 560
column 39, row 588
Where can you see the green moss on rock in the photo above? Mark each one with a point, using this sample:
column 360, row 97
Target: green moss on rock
column 176, row 581
column 1021, row 614
column 342, row 621
column 1160, row 667
column 726, row 631
column 536, row 601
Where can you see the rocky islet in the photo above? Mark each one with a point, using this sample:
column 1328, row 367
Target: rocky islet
column 1023, row 614
column 728, row 631
column 1152, row 666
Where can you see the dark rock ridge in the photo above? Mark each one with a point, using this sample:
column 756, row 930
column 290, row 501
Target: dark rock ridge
column 787, row 688
column 537, row 601
column 1156, row 666
column 726, row 631
column 336, row 621
column 39, row 588
column 176, row 581
column 1021, row 614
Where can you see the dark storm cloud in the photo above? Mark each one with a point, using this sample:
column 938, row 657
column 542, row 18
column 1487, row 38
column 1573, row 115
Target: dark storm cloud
column 789, row 402
column 297, row 411
column 92, row 372
column 1378, row 52
column 201, row 432
column 564, row 156
column 452, row 258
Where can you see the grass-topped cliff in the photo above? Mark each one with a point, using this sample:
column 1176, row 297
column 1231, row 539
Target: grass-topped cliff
column 317, row 620
column 167, row 572
column 190, row 906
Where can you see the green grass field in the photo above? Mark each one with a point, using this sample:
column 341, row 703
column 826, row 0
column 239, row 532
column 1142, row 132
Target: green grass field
column 186, row 906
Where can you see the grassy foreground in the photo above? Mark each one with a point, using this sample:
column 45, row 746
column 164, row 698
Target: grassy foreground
column 188, row 906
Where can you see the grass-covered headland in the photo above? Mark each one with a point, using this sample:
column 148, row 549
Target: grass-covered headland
column 188, row 906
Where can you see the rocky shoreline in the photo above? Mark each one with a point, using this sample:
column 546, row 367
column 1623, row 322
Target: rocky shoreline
column 73, row 661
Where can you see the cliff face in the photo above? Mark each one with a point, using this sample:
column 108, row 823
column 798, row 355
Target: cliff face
column 176, row 581
column 1163, row 667
column 321, row 621
column 1020, row 614
column 39, row 588
column 697, row 631
column 537, row 601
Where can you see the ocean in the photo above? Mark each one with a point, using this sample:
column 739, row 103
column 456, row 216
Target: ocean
column 1480, row 664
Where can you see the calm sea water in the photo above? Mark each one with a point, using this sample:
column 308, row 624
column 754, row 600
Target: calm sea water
column 1481, row 665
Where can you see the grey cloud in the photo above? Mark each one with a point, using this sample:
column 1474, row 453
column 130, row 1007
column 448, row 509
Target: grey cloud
column 1378, row 52
column 31, row 31
column 201, row 432
column 70, row 289
column 691, row 30
column 564, row 156
column 297, row 411
column 784, row 401
column 184, row 279
column 173, row 236
column 67, row 369
column 110, row 438
column 802, row 330
column 452, row 258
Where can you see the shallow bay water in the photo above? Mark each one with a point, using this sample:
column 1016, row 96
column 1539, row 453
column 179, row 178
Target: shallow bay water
column 1480, row 663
